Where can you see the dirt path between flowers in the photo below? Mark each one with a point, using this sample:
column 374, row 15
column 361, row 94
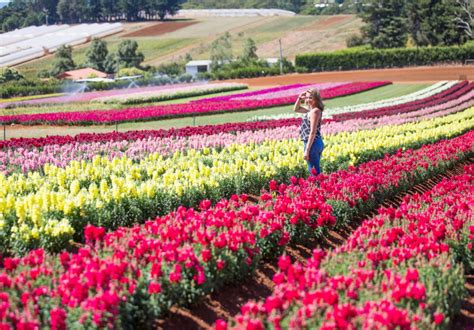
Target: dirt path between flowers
column 227, row 301
column 415, row 74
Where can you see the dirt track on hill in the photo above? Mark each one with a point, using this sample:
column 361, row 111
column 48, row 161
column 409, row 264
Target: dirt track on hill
column 416, row 74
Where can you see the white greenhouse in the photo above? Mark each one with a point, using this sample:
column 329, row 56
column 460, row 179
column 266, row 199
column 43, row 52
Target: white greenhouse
column 33, row 42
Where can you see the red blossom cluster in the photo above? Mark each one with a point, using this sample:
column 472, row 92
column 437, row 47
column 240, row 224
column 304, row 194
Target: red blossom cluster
column 136, row 274
column 394, row 272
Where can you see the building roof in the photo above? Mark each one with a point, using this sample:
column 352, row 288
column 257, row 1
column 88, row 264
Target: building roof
column 82, row 74
column 197, row 63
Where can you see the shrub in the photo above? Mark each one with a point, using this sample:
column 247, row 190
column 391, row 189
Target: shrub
column 364, row 58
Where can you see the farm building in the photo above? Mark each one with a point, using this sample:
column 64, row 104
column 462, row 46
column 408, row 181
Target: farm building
column 195, row 67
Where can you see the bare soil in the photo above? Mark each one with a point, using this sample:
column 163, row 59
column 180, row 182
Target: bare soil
column 414, row 74
column 160, row 29
column 227, row 301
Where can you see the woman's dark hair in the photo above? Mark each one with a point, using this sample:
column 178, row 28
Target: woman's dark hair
column 316, row 96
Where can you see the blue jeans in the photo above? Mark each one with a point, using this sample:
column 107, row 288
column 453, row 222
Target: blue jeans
column 315, row 154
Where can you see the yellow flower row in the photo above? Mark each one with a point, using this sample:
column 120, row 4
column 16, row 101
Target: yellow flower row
column 35, row 205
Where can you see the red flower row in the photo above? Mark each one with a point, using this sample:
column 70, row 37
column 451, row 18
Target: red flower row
column 135, row 274
column 396, row 270
column 174, row 110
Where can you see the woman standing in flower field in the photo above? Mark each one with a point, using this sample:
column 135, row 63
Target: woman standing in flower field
column 310, row 130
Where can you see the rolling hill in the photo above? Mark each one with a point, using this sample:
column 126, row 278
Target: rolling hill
column 172, row 40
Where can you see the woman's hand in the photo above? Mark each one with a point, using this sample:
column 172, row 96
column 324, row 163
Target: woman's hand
column 306, row 155
column 302, row 96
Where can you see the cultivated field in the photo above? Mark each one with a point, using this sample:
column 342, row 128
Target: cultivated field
column 170, row 41
column 222, row 225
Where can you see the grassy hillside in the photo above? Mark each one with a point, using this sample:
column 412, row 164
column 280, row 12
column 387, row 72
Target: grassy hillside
column 298, row 34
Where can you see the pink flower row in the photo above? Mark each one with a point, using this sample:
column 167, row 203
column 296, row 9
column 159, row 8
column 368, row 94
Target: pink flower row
column 271, row 93
column 29, row 159
column 253, row 93
column 135, row 274
column 174, row 110
column 396, row 270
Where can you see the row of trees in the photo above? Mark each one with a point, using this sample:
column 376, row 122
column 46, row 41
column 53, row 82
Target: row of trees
column 295, row 5
column 396, row 23
column 21, row 13
column 99, row 58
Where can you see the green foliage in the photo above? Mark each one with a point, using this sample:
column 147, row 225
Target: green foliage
column 386, row 26
column 29, row 12
column 363, row 58
column 244, row 69
column 443, row 30
column 250, row 51
column 161, row 8
column 128, row 55
column 96, row 55
column 426, row 22
column 125, row 72
column 221, row 51
column 10, row 75
column 11, row 23
column 355, row 41
column 171, row 69
column 63, row 61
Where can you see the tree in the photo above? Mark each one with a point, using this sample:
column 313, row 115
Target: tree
column 97, row 54
column 386, row 24
column 465, row 17
column 250, row 51
column 221, row 51
column 163, row 7
column 10, row 75
column 63, row 61
column 11, row 23
column 127, row 56
column 415, row 13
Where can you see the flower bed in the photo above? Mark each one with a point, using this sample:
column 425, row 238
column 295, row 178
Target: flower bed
column 170, row 94
column 418, row 95
column 276, row 92
column 88, row 96
column 130, row 276
column 448, row 95
column 48, row 209
column 145, row 134
column 396, row 270
column 436, row 94
column 173, row 110
column 30, row 159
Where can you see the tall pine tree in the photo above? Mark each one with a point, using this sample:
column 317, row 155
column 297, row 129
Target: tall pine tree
column 386, row 24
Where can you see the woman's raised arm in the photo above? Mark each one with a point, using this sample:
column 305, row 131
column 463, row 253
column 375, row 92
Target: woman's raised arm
column 298, row 108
